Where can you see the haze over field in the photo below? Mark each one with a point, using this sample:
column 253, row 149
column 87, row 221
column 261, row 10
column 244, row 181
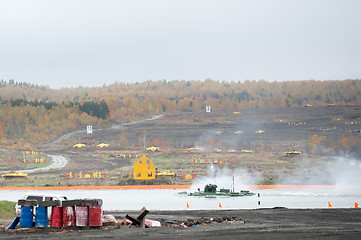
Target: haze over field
column 91, row 43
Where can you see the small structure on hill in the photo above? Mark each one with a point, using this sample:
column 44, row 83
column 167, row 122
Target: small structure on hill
column 144, row 169
column 153, row 149
column 293, row 153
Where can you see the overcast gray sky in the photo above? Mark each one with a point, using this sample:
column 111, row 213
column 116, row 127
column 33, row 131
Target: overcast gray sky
column 69, row 43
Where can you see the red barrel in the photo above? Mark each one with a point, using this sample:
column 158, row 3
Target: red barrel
column 95, row 216
column 56, row 217
column 68, row 216
column 81, row 216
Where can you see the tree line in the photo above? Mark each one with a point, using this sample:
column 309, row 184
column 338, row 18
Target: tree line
column 39, row 113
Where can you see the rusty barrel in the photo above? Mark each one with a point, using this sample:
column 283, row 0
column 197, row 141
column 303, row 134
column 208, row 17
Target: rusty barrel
column 26, row 216
column 56, row 217
column 68, row 216
column 41, row 218
column 81, row 216
column 95, row 216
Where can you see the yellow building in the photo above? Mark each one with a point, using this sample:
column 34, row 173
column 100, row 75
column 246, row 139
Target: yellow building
column 144, row 169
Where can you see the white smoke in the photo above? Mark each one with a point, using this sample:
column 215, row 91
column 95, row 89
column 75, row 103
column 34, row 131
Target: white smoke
column 207, row 141
column 238, row 178
column 339, row 171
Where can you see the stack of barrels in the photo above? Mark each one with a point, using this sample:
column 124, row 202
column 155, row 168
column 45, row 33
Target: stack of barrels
column 66, row 213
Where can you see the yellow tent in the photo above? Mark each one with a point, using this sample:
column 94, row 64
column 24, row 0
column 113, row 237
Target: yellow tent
column 144, row 169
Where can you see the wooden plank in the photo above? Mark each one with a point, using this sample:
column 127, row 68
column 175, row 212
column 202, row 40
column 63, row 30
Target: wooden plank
column 53, row 203
column 70, row 203
column 140, row 220
column 92, row 202
column 141, row 217
column 133, row 220
column 143, row 213
column 28, row 203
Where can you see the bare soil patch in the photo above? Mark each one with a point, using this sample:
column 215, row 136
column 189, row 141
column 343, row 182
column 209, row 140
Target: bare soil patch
column 175, row 133
column 276, row 223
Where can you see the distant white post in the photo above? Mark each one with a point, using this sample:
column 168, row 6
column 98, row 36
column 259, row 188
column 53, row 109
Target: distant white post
column 89, row 129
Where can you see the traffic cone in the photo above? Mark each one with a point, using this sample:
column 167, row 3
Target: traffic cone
column 187, row 205
column 219, row 204
column 356, row 205
column 329, row 204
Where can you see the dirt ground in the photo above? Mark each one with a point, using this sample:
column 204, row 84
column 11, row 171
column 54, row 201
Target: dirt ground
column 174, row 133
column 188, row 131
column 277, row 223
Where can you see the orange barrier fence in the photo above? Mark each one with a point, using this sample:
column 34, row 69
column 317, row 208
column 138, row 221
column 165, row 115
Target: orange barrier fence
column 353, row 123
column 99, row 187
column 128, row 155
column 296, row 123
column 209, row 161
column 298, row 186
column 175, row 187
column 35, row 160
column 337, row 118
column 85, row 175
column 31, row 153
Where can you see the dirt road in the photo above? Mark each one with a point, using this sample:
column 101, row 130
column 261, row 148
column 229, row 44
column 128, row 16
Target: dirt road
column 58, row 162
column 119, row 126
column 257, row 224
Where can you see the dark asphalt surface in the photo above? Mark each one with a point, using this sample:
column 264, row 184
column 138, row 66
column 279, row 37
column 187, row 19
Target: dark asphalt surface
column 276, row 223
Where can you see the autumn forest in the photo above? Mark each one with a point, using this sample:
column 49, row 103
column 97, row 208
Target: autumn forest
column 33, row 114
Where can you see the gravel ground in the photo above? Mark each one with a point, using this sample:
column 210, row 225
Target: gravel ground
column 277, row 223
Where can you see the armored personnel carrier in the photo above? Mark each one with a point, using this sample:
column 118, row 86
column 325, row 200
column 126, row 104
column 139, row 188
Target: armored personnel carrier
column 16, row 175
column 293, row 153
column 210, row 190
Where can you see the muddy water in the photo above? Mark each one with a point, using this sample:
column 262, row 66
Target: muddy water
column 170, row 199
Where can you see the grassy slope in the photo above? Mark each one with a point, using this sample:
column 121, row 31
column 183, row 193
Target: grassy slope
column 7, row 209
column 179, row 131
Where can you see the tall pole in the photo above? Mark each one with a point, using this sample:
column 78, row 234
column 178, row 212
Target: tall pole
column 233, row 184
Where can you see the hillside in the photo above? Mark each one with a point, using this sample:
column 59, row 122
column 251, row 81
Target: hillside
column 31, row 114
column 250, row 143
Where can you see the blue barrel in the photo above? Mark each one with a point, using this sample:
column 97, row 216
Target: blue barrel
column 26, row 216
column 41, row 218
